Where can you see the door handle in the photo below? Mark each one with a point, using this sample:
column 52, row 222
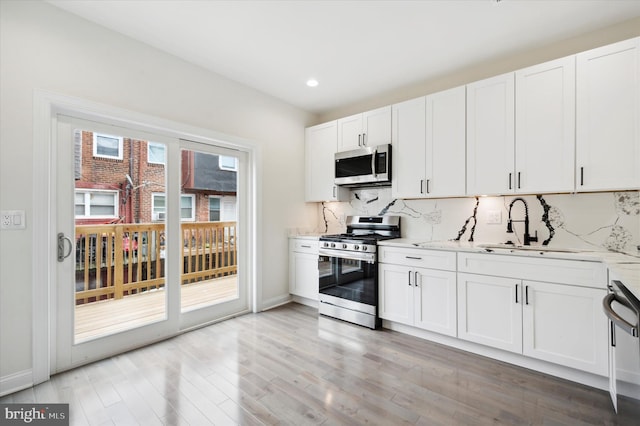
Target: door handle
column 61, row 253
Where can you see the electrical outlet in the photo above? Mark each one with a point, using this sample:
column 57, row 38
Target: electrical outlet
column 12, row 219
column 6, row 220
column 494, row 217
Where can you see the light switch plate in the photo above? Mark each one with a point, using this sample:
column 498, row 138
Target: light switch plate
column 12, row 219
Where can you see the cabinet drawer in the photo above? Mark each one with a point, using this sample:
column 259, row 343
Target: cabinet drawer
column 575, row 272
column 432, row 259
column 303, row 245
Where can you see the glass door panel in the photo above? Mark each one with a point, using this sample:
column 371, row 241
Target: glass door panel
column 208, row 207
column 119, row 239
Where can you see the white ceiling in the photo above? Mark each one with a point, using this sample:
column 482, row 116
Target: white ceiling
column 355, row 49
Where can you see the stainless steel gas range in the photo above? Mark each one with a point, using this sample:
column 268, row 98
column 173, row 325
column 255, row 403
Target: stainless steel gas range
column 348, row 267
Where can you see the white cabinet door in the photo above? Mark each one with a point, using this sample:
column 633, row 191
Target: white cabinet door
column 490, row 135
column 545, row 127
column 303, row 275
column 370, row 128
column 320, row 148
column 565, row 325
column 446, row 143
column 490, row 311
column 376, row 126
column 395, row 293
column 435, row 301
column 608, row 117
column 408, row 155
column 350, row 132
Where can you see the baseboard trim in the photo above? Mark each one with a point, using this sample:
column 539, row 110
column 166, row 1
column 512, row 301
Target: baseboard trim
column 16, row 382
column 304, row 301
column 274, row 302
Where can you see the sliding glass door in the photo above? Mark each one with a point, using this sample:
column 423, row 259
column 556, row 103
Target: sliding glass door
column 148, row 233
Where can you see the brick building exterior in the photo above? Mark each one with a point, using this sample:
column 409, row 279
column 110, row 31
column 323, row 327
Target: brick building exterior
column 122, row 180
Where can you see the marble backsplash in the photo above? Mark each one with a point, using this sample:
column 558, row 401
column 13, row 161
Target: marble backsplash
column 609, row 220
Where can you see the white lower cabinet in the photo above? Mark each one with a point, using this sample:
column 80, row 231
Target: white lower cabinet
column 562, row 323
column 488, row 312
column 303, row 268
column 414, row 295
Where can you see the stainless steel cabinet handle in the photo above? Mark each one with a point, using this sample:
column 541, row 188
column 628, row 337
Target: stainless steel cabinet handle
column 510, row 180
column 516, row 293
column 359, row 140
column 305, row 246
column 415, row 278
column 581, row 176
column 413, row 258
column 518, row 180
column 428, row 186
column 409, row 278
column 632, row 329
column 612, row 329
column 422, row 186
column 526, row 294
column 364, row 142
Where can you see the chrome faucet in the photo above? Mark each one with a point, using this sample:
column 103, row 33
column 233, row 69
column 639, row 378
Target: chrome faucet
column 527, row 238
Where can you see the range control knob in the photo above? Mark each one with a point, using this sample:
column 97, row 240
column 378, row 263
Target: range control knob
column 333, row 245
column 344, row 246
column 364, row 248
column 356, row 247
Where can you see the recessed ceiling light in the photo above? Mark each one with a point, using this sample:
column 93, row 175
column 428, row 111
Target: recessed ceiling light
column 312, row 82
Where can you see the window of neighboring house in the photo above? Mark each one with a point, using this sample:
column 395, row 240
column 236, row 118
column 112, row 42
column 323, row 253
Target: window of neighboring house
column 227, row 163
column 107, row 146
column 96, row 204
column 155, row 153
column 159, row 207
column 214, row 209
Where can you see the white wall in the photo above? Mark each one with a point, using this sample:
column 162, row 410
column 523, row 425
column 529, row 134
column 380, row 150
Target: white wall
column 494, row 66
column 42, row 47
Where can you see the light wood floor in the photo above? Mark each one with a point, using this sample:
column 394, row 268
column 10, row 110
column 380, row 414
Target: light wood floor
column 111, row 316
column 287, row 366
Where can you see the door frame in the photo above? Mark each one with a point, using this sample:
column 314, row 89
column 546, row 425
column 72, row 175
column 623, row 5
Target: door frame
column 46, row 107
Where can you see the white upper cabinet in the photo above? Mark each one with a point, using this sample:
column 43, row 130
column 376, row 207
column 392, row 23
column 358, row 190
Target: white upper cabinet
column 446, row 143
column 520, row 131
column 408, row 157
column 321, row 142
column 370, row 128
column 490, row 135
column 545, row 127
column 429, row 146
column 608, row 117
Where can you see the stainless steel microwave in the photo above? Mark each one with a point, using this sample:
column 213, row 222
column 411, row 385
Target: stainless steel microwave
column 364, row 167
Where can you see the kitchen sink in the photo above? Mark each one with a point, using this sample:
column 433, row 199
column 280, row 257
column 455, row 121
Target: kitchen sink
column 542, row 249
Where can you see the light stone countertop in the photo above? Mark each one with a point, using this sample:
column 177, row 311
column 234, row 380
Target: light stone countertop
column 306, row 236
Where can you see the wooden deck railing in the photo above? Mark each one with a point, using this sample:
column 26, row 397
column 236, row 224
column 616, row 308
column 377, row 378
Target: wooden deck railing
column 113, row 261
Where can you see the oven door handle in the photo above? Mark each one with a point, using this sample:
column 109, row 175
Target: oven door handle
column 367, row 257
column 617, row 319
